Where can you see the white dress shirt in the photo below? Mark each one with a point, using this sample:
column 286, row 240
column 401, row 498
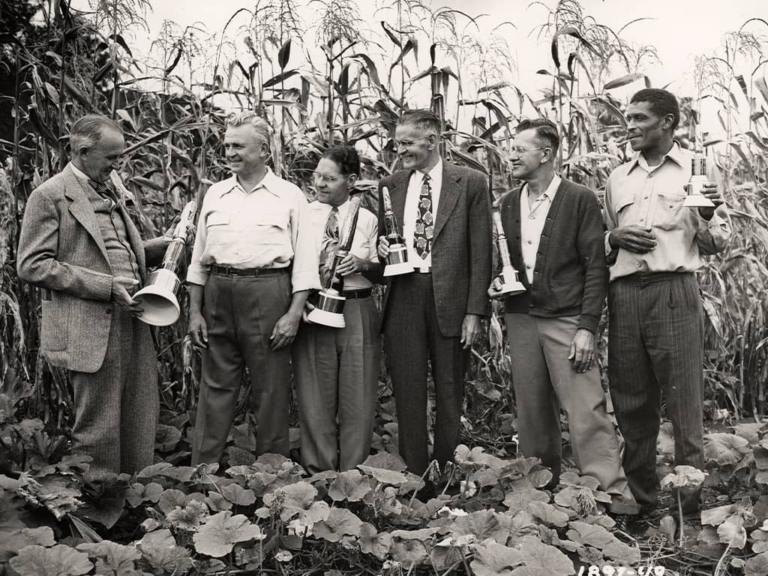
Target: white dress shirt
column 267, row 227
column 533, row 215
column 411, row 213
column 363, row 243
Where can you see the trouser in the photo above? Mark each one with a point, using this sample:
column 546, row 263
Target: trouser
column 544, row 380
column 412, row 338
column 337, row 376
column 655, row 344
column 117, row 407
column 240, row 313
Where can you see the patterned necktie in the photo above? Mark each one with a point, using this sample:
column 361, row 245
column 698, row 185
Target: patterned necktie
column 102, row 189
column 425, row 229
column 330, row 241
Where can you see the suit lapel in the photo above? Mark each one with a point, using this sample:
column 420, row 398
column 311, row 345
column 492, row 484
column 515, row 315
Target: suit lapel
column 82, row 210
column 449, row 196
column 397, row 195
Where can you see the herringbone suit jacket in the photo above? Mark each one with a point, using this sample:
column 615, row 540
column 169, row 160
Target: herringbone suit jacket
column 461, row 246
column 61, row 250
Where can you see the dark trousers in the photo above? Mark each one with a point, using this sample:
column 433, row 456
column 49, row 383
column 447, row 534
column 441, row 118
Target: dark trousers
column 241, row 313
column 413, row 338
column 655, row 344
column 337, row 377
column 116, row 407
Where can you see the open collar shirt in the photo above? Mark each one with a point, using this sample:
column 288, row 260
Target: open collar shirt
column 652, row 197
column 363, row 243
column 411, row 212
column 533, row 215
column 266, row 227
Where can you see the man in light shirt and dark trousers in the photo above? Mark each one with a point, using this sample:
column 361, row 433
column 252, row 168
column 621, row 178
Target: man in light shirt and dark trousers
column 654, row 246
column 337, row 369
column 555, row 236
column 433, row 314
column 253, row 265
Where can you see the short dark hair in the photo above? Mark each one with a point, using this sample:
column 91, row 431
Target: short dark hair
column 545, row 130
column 88, row 130
column 346, row 158
column 424, row 119
column 662, row 103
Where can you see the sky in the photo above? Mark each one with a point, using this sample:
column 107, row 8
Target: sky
column 679, row 29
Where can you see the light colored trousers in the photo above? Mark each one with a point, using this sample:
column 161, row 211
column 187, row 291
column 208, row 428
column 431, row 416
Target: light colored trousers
column 337, row 376
column 544, row 380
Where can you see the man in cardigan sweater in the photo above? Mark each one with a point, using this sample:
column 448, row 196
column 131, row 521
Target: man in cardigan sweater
column 555, row 236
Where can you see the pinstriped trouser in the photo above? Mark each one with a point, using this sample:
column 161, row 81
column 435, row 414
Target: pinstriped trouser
column 116, row 407
column 655, row 344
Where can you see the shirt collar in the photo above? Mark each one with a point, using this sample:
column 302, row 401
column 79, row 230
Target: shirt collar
column 550, row 191
column 79, row 173
column 270, row 183
column 437, row 170
column 675, row 154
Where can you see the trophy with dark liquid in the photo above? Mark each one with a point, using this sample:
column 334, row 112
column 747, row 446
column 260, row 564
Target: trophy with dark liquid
column 510, row 282
column 397, row 260
column 329, row 306
column 695, row 198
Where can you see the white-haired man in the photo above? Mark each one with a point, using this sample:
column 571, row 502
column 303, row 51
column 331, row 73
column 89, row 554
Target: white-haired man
column 252, row 267
column 80, row 247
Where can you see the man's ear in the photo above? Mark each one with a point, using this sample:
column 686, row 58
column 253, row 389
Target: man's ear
column 667, row 121
column 351, row 179
column 432, row 139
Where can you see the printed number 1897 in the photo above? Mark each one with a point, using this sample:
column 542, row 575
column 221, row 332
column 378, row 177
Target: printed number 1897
column 608, row 570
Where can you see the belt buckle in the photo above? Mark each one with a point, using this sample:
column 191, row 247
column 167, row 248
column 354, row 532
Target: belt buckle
column 423, row 270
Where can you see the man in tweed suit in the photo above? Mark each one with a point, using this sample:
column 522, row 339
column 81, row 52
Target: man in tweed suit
column 433, row 314
column 80, row 247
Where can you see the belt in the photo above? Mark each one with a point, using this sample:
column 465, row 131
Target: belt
column 358, row 294
column 424, row 270
column 252, row 272
column 653, row 277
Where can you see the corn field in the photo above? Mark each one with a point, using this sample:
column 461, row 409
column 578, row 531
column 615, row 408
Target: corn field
column 350, row 88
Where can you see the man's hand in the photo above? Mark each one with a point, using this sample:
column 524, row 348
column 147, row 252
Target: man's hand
column 351, row 265
column 633, row 238
column 308, row 307
column 495, row 288
column 198, row 330
column 190, row 232
column 582, row 352
column 121, row 296
column 383, row 247
column 712, row 193
column 285, row 330
column 470, row 330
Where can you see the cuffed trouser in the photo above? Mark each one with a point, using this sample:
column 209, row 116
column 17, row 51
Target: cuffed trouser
column 241, row 313
column 117, row 407
column 655, row 343
column 412, row 337
column 337, row 376
column 544, row 380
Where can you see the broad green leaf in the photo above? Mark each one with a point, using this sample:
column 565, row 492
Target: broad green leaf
column 483, row 524
column 159, row 551
column 57, row 561
column 540, row 559
column 13, row 540
column 517, row 500
column 732, row 532
column 374, row 543
column 139, row 493
column 590, row 535
column 238, row 495
column 622, row 554
column 683, row 477
column 386, row 461
column 188, row 517
column 351, row 486
column 757, row 565
column 112, row 559
column 724, row 449
column 384, row 476
column 218, row 536
column 493, row 559
column 548, row 514
column 339, row 523
column 170, row 499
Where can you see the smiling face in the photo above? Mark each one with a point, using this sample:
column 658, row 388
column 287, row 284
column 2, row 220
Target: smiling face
column 246, row 151
column 99, row 160
column 417, row 149
column 332, row 186
column 529, row 154
column 646, row 129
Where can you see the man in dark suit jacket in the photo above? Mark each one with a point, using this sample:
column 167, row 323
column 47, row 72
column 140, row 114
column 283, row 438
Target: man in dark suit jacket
column 555, row 238
column 433, row 314
column 80, row 247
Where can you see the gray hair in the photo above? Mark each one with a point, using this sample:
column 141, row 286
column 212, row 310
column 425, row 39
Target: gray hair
column 88, row 130
column 258, row 124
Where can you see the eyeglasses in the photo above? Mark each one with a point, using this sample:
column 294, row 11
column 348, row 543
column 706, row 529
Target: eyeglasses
column 324, row 178
column 520, row 150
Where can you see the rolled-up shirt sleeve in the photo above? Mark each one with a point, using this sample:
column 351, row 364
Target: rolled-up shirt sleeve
column 197, row 273
column 713, row 235
column 304, row 275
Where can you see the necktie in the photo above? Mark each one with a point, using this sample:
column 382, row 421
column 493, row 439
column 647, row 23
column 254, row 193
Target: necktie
column 425, row 229
column 102, row 189
column 330, row 241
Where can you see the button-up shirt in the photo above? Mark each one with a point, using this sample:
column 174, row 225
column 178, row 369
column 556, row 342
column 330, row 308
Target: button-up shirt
column 652, row 197
column 266, row 227
column 363, row 243
column 411, row 213
column 533, row 215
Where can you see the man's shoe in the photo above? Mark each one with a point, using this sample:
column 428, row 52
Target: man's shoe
column 623, row 506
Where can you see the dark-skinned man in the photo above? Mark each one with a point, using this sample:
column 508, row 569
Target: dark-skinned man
column 554, row 234
column 433, row 315
column 654, row 246
column 252, row 267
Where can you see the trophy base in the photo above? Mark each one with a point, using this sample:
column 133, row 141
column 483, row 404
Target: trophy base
column 329, row 309
column 697, row 201
column 397, row 269
column 158, row 299
column 511, row 289
column 331, row 319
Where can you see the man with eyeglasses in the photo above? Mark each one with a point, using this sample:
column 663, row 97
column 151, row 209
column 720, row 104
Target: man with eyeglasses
column 555, row 237
column 433, row 314
column 253, row 265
